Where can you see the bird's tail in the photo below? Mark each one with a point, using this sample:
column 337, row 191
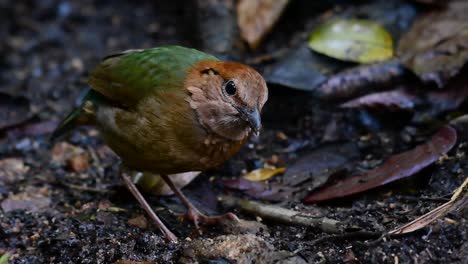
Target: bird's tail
column 83, row 115
column 76, row 118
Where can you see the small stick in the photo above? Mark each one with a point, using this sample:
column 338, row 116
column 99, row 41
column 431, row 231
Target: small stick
column 283, row 215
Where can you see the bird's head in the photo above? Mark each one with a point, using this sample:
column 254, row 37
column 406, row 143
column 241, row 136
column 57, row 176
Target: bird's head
column 227, row 97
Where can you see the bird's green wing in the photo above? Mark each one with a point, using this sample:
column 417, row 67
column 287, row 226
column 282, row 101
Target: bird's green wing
column 130, row 76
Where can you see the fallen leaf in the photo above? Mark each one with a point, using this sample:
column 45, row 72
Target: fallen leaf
column 352, row 40
column 459, row 200
column 257, row 17
column 319, row 164
column 263, row 174
column 396, row 167
column 363, row 79
column 302, row 69
column 31, row 200
column 435, row 47
column 154, row 184
column 260, row 190
column 12, row 170
column 138, row 221
column 399, row 99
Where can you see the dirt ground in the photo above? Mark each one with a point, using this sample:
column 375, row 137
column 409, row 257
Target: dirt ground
column 80, row 213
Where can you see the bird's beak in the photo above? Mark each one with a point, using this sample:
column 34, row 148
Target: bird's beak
column 255, row 122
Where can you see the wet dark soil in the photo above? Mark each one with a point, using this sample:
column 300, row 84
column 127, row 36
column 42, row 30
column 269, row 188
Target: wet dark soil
column 80, row 213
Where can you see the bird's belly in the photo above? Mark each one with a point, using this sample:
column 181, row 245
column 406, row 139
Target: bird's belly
column 160, row 149
column 170, row 159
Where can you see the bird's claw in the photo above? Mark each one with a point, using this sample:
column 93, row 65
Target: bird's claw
column 198, row 218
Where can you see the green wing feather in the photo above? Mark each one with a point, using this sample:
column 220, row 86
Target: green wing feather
column 127, row 77
column 130, row 76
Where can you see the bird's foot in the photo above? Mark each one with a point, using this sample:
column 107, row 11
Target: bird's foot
column 198, row 218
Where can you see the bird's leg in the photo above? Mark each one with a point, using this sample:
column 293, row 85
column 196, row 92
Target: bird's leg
column 156, row 220
column 193, row 213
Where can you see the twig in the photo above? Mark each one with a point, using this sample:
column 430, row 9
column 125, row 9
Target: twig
column 358, row 235
column 85, row 188
column 283, row 215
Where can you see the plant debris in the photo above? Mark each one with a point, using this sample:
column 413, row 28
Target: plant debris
column 396, row 167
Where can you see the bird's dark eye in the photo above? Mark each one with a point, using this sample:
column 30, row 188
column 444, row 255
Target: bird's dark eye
column 230, row 88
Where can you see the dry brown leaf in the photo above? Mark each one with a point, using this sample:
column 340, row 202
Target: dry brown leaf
column 435, row 48
column 459, row 198
column 263, row 174
column 257, row 17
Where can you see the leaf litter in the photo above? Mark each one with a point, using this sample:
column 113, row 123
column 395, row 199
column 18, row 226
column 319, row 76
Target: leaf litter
column 396, row 167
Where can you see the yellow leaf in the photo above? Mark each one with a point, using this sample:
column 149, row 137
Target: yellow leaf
column 263, row 174
column 352, row 40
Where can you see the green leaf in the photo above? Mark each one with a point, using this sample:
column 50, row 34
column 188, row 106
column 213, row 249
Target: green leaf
column 4, row 258
column 352, row 40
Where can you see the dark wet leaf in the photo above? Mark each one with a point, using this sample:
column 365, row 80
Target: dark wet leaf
column 399, row 99
column 13, row 110
column 257, row 17
column 436, row 47
column 354, row 40
column 363, row 79
column 320, row 164
column 260, row 190
column 302, row 69
column 396, row 167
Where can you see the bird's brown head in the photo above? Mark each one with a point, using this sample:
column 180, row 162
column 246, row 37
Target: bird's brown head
column 227, row 97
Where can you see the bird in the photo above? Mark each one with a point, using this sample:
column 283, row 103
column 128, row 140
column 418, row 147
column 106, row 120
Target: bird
column 168, row 110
